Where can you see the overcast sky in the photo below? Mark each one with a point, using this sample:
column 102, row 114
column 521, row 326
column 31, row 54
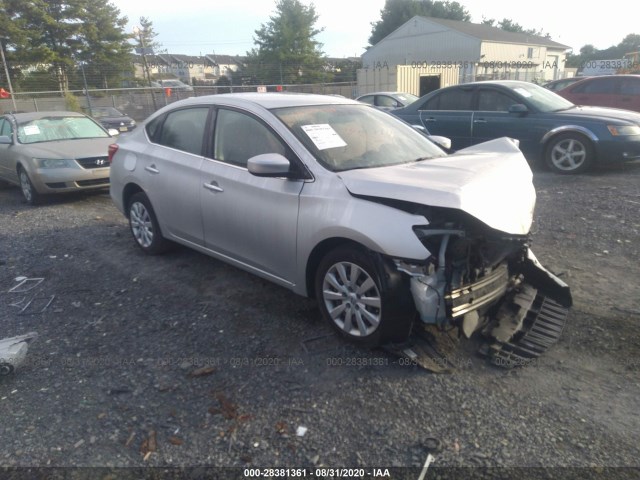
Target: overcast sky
column 195, row 27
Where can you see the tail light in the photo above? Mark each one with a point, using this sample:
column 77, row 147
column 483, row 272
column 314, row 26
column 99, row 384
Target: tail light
column 113, row 148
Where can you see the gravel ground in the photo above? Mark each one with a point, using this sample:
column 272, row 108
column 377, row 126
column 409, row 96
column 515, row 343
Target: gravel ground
column 180, row 360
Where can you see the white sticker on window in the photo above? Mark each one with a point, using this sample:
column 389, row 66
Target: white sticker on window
column 31, row 130
column 523, row 92
column 324, row 136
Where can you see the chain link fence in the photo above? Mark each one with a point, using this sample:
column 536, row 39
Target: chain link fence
column 139, row 103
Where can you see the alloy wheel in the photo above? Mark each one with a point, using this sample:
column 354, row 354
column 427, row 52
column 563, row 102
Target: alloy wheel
column 568, row 155
column 141, row 224
column 352, row 299
column 25, row 185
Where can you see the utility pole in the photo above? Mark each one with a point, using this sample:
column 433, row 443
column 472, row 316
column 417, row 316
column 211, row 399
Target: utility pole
column 3, row 40
column 86, row 88
column 138, row 31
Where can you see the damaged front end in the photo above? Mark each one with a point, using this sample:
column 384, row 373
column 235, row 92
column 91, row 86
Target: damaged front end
column 481, row 279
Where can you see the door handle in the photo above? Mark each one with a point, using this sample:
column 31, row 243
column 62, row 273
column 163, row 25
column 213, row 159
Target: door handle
column 430, row 119
column 213, row 186
column 152, row 169
column 481, row 120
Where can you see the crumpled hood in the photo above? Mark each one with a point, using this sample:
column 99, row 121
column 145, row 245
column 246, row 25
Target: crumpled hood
column 491, row 181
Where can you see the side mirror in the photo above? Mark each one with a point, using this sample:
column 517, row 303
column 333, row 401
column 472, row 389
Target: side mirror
column 269, row 165
column 518, row 108
column 442, row 142
column 113, row 132
column 5, row 140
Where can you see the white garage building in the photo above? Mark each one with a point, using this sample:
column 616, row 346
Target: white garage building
column 428, row 53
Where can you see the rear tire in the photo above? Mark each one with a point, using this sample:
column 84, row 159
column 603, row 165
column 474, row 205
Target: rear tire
column 362, row 299
column 144, row 225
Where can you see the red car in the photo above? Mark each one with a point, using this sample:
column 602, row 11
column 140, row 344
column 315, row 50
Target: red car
column 616, row 91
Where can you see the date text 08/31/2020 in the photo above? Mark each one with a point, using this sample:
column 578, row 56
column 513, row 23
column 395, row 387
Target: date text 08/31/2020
column 319, row 472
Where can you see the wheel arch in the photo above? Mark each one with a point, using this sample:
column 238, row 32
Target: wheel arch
column 551, row 134
column 127, row 192
column 20, row 165
column 318, row 253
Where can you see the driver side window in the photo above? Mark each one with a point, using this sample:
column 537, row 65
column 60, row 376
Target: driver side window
column 494, row 101
column 238, row 137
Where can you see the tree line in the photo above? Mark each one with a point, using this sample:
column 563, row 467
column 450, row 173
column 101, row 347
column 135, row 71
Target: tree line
column 65, row 44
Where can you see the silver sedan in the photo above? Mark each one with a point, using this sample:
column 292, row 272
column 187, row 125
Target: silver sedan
column 339, row 201
column 53, row 152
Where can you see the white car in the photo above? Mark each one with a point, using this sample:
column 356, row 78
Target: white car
column 342, row 202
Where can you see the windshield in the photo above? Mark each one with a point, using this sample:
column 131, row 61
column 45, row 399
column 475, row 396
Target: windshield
column 346, row 137
column 542, row 98
column 50, row 129
column 407, row 98
column 105, row 112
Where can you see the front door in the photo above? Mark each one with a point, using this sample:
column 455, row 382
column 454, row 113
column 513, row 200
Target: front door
column 7, row 162
column 493, row 120
column 251, row 220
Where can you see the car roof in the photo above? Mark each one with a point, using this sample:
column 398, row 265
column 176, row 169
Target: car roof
column 505, row 83
column 617, row 75
column 269, row 100
column 382, row 93
column 27, row 116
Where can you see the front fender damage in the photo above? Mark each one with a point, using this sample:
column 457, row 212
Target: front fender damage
column 517, row 305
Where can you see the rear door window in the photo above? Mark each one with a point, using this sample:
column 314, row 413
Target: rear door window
column 184, row 130
column 606, row 85
column 456, row 99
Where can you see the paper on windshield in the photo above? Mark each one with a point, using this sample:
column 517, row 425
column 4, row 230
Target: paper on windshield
column 31, row 130
column 323, row 136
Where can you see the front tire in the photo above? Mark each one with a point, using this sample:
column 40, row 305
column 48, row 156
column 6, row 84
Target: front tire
column 5, row 369
column 144, row 225
column 361, row 299
column 28, row 190
column 569, row 153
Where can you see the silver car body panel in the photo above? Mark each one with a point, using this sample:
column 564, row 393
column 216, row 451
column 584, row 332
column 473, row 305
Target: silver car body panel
column 270, row 226
column 491, row 181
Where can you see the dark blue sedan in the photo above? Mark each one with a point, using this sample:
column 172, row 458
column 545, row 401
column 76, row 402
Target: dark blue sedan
column 569, row 138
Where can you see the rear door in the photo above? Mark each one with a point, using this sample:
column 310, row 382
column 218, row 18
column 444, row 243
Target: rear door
column 449, row 113
column 171, row 172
